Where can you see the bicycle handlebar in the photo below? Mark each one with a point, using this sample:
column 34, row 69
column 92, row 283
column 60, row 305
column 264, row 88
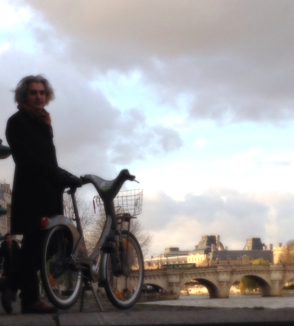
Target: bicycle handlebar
column 75, row 182
column 129, row 176
column 86, row 179
column 108, row 189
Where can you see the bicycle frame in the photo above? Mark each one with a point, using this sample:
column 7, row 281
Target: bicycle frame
column 107, row 191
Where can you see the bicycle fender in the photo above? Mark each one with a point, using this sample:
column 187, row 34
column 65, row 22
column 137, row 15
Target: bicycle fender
column 62, row 220
column 102, row 269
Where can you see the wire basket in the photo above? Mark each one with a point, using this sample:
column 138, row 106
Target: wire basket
column 125, row 202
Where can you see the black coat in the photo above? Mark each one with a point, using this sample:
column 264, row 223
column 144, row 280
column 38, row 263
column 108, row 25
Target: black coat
column 35, row 191
column 11, row 264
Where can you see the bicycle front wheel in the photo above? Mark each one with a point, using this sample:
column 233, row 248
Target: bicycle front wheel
column 124, row 272
column 62, row 280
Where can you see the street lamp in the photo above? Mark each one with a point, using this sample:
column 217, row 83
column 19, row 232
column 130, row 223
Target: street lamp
column 4, row 151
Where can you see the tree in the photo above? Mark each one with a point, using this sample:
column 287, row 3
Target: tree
column 87, row 217
column 143, row 237
column 287, row 256
column 247, row 283
column 259, row 261
column 93, row 223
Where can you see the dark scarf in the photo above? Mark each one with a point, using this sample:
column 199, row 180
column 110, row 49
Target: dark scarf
column 41, row 115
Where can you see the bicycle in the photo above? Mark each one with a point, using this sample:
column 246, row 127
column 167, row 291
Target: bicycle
column 116, row 262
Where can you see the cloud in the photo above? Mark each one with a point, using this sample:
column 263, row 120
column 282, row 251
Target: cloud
column 232, row 59
column 280, row 159
column 256, row 161
column 11, row 16
column 206, row 208
column 200, row 142
column 186, row 26
column 4, row 47
column 264, row 214
column 185, row 61
column 90, row 133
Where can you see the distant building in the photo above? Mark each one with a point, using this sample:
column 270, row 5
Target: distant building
column 201, row 252
column 170, row 256
column 283, row 254
column 239, row 257
column 253, row 244
column 5, row 202
column 210, row 251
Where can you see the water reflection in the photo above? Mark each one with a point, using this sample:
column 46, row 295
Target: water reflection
column 235, row 301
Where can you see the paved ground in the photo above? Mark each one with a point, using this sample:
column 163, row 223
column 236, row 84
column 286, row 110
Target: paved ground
column 142, row 314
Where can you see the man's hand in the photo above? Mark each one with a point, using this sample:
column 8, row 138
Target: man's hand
column 74, row 182
column 66, row 179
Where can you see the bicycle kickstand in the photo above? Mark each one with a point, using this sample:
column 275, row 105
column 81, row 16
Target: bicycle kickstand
column 89, row 287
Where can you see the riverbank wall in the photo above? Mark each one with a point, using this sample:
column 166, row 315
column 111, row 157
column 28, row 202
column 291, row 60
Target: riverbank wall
column 148, row 297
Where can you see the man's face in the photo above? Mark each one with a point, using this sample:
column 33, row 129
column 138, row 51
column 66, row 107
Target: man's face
column 36, row 96
column 8, row 239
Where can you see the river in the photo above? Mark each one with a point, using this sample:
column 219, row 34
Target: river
column 234, row 301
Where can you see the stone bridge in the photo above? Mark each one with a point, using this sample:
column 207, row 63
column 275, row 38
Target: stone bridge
column 219, row 279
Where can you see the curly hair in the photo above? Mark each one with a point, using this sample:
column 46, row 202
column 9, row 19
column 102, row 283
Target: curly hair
column 20, row 93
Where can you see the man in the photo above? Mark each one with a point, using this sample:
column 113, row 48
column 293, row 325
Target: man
column 38, row 182
column 10, row 252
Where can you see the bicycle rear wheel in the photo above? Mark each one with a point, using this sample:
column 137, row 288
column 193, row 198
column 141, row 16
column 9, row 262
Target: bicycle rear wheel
column 124, row 272
column 62, row 280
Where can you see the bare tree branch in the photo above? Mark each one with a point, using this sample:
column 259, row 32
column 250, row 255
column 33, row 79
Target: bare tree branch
column 87, row 217
column 93, row 224
column 287, row 257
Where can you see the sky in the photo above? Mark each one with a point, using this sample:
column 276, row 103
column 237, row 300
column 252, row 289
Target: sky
column 194, row 97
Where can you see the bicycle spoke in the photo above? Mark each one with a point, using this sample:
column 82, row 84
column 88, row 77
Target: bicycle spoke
column 62, row 283
column 125, row 275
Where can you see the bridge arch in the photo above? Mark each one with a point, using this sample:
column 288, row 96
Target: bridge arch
column 156, row 287
column 288, row 278
column 264, row 286
column 211, row 287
